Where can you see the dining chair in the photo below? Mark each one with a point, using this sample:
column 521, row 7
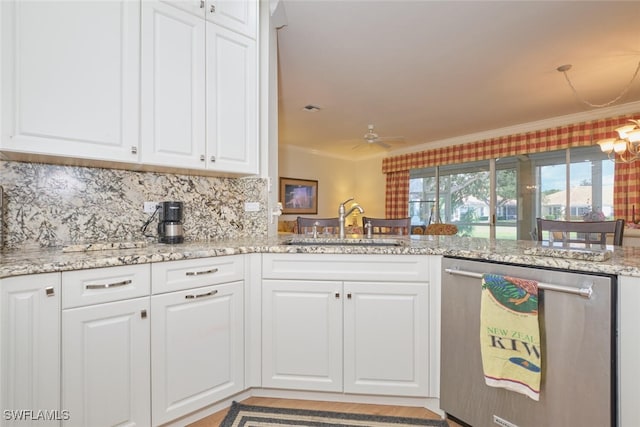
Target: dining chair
column 324, row 225
column 398, row 226
column 581, row 231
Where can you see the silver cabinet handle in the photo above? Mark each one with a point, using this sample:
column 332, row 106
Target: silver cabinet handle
column 49, row 291
column 207, row 294
column 109, row 285
column 198, row 273
column 213, row 159
column 202, row 157
column 213, row 8
column 134, row 149
column 201, row 4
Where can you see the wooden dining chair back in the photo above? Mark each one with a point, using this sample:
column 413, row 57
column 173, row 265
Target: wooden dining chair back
column 397, row 226
column 323, row 225
column 587, row 232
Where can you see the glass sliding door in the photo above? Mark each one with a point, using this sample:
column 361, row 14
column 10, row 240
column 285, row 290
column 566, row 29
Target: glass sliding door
column 422, row 196
column 465, row 197
column 502, row 198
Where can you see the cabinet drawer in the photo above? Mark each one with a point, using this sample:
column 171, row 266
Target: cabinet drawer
column 396, row 268
column 95, row 286
column 178, row 275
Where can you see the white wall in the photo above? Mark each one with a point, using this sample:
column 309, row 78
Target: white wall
column 338, row 179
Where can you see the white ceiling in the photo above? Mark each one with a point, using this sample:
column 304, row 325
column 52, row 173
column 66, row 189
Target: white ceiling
column 434, row 70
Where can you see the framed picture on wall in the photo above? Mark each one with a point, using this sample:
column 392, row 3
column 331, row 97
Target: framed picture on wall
column 298, row 196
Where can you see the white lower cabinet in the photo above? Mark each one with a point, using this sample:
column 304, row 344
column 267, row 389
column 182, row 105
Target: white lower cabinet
column 197, row 342
column 105, row 346
column 365, row 336
column 386, row 338
column 30, row 350
column 105, row 354
column 302, row 335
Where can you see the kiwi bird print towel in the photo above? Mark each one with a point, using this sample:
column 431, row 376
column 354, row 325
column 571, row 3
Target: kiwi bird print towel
column 510, row 334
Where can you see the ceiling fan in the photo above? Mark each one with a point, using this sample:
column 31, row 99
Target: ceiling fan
column 371, row 138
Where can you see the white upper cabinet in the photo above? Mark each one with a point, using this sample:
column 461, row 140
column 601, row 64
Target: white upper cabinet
column 240, row 16
column 232, row 112
column 199, row 91
column 70, row 78
column 237, row 15
column 173, row 87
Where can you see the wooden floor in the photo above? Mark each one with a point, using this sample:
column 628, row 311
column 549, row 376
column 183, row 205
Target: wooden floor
column 395, row 411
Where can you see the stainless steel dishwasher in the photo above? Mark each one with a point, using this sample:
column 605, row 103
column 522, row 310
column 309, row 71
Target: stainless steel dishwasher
column 577, row 317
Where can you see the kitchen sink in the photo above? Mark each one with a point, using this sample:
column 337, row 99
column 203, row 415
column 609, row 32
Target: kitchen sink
column 331, row 241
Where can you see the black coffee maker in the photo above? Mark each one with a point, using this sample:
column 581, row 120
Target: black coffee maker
column 170, row 223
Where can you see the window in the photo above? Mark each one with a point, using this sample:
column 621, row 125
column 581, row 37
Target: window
column 574, row 184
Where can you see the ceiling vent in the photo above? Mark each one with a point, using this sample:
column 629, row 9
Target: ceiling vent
column 311, row 108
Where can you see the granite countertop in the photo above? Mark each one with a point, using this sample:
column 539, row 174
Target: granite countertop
column 613, row 260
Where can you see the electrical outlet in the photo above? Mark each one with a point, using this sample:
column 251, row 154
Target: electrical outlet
column 150, row 207
column 251, row 206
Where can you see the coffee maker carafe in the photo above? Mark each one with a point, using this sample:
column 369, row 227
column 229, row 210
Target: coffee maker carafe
column 170, row 223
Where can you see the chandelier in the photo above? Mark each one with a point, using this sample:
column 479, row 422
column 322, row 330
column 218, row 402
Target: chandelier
column 625, row 146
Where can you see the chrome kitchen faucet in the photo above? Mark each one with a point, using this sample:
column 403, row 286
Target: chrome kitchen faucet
column 342, row 215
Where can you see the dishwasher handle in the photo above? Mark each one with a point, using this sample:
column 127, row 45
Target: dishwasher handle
column 584, row 291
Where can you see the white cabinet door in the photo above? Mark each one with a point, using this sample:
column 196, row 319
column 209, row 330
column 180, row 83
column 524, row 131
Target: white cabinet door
column 628, row 351
column 237, row 15
column 197, row 344
column 302, row 335
column 30, row 348
column 232, row 108
column 173, row 86
column 70, row 78
column 105, row 364
column 194, row 7
column 240, row 16
column 386, row 338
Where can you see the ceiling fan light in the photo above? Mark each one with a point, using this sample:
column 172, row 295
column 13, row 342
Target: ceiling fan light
column 606, row 145
column 624, row 130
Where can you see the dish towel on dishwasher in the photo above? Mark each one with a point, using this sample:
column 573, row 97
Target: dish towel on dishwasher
column 510, row 334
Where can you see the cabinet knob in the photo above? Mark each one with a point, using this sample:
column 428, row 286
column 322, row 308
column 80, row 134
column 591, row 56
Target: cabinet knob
column 201, row 4
column 213, row 8
column 143, row 314
column 134, row 149
column 202, row 157
column 49, row 291
column 349, row 296
column 337, row 295
column 213, row 159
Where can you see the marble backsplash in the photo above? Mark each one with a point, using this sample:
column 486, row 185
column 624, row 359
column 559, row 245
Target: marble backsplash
column 51, row 205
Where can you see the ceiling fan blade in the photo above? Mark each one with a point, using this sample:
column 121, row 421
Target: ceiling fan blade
column 391, row 138
column 381, row 144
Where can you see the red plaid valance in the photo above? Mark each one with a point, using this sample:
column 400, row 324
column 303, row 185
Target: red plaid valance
column 575, row 135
